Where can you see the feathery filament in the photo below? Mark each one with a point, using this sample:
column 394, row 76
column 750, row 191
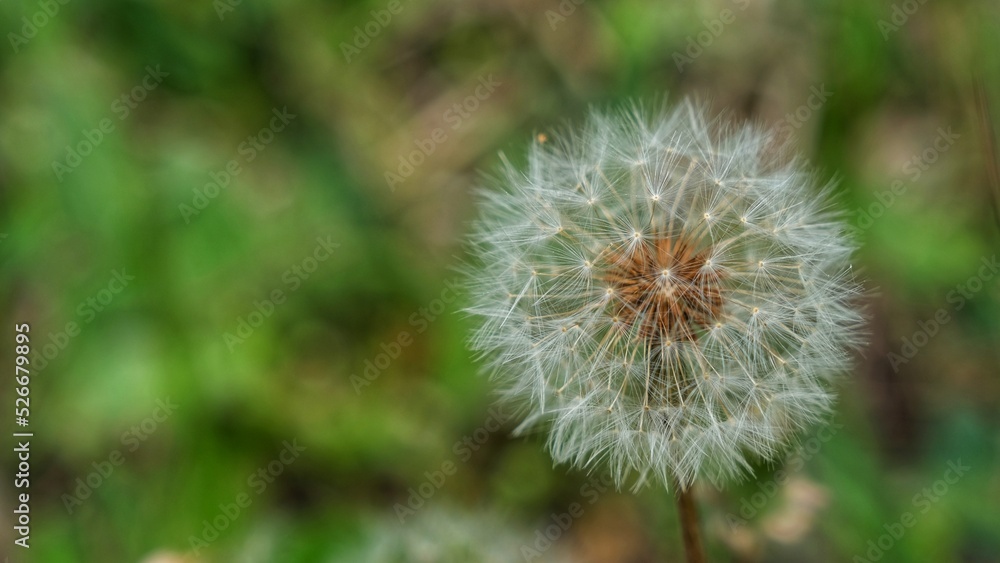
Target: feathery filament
column 669, row 296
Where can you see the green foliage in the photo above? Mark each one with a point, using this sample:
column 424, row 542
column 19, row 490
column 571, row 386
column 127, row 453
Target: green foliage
column 133, row 203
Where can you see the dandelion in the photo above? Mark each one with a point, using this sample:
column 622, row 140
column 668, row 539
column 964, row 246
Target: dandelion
column 669, row 296
column 449, row 535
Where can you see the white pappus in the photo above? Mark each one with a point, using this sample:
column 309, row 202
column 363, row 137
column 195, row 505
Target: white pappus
column 668, row 295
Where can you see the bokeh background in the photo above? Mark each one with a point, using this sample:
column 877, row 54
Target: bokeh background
column 197, row 222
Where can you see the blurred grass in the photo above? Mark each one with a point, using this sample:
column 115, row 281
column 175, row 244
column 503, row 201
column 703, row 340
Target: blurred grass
column 324, row 175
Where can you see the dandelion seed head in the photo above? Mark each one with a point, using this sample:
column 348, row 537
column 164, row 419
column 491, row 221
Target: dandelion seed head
column 707, row 319
column 446, row 534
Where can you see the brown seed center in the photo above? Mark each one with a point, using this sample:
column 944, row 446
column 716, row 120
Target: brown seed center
column 664, row 288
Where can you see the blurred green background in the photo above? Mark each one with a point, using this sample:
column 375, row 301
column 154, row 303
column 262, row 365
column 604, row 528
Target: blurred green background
column 233, row 226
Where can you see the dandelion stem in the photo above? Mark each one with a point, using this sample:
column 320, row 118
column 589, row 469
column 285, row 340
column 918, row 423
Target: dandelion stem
column 690, row 528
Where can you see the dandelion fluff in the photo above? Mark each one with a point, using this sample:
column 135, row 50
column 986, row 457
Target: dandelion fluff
column 667, row 296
